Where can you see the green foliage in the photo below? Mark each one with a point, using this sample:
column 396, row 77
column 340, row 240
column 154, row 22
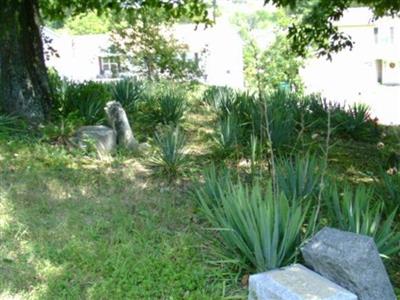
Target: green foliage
column 353, row 122
column 170, row 156
column 355, row 211
column 128, row 92
column 228, row 133
column 281, row 115
column 255, row 228
column 88, row 100
column 268, row 66
column 61, row 9
column 242, row 115
column 215, row 95
column 88, row 23
column 79, row 100
column 389, row 189
column 299, row 177
column 11, row 125
column 162, row 103
column 172, row 107
column 317, row 27
column 96, row 241
column 143, row 42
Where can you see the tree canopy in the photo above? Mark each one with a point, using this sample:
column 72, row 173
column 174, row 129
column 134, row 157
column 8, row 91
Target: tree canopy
column 60, row 9
column 317, row 27
column 269, row 61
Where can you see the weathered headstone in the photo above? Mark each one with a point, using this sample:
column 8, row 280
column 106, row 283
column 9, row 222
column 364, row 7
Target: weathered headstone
column 103, row 138
column 295, row 282
column 119, row 122
column 350, row 260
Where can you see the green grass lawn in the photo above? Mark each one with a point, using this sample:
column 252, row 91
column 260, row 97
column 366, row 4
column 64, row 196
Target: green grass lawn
column 79, row 228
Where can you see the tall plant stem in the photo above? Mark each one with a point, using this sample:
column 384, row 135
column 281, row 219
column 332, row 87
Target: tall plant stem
column 264, row 101
column 324, row 169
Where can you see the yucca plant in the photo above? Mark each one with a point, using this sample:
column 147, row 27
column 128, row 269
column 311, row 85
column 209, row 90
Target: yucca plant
column 298, row 177
column 359, row 125
column 215, row 184
column 214, row 95
column 354, row 211
column 10, row 125
column 170, row 156
column 389, row 189
column 88, row 100
column 172, row 107
column 255, row 228
column 228, row 133
column 128, row 92
column 281, row 117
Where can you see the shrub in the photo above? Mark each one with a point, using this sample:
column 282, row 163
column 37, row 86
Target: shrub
column 170, row 156
column 354, row 211
column 255, row 227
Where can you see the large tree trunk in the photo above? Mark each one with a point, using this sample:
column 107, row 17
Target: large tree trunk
column 24, row 87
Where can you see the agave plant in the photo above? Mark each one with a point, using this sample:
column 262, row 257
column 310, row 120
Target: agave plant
column 354, row 211
column 170, row 157
column 255, row 228
column 128, row 92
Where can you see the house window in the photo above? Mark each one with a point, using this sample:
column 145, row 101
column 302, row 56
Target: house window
column 109, row 66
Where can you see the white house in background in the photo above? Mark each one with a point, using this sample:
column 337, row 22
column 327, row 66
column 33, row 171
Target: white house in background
column 370, row 73
column 86, row 57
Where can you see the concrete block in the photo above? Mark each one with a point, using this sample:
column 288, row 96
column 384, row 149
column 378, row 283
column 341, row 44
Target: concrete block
column 295, row 282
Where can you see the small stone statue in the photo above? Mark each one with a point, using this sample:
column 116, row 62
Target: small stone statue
column 106, row 139
column 119, row 122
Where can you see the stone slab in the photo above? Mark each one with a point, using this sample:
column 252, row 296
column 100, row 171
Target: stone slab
column 351, row 261
column 295, row 282
column 104, row 138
